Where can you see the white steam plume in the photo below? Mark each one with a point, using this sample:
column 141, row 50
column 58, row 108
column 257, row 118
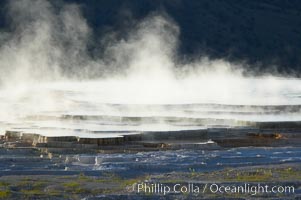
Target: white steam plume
column 43, row 42
column 46, row 67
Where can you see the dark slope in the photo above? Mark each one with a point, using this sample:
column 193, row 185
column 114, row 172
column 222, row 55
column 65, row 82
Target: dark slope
column 266, row 32
column 262, row 32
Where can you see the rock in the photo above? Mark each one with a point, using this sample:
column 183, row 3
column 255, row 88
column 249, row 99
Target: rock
column 271, row 135
column 61, row 139
column 29, row 137
column 101, row 141
column 12, row 135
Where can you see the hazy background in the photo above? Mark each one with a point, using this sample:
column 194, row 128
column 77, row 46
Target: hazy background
column 263, row 33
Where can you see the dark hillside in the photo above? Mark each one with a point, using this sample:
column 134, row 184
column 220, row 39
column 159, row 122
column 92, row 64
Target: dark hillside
column 261, row 32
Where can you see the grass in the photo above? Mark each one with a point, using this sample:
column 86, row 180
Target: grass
column 75, row 188
column 110, row 183
column 83, row 177
column 4, row 184
column 234, row 175
column 253, row 177
column 4, row 194
column 39, row 184
column 32, row 192
column 260, row 175
column 31, row 187
column 289, row 173
column 71, row 185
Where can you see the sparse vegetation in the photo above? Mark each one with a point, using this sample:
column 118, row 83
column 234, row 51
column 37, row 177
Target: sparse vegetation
column 71, row 185
column 4, row 194
column 4, row 184
column 110, row 183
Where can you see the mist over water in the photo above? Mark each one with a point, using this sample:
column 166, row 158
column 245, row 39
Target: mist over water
column 47, row 70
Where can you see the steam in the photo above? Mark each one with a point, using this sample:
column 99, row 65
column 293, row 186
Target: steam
column 46, row 66
column 43, row 43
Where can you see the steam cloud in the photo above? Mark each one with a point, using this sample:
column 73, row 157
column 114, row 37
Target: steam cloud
column 46, row 49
